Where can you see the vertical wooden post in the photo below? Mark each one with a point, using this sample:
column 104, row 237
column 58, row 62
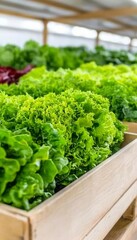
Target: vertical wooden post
column 130, row 45
column 97, row 39
column 45, row 31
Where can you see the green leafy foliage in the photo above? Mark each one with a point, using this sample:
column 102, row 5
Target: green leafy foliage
column 36, row 55
column 53, row 127
column 63, row 57
column 102, row 56
column 40, row 82
column 83, row 119
column 117, row 83
column 27, row 169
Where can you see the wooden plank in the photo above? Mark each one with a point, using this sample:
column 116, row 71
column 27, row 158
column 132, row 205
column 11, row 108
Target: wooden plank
column 18, row 14
column 108, row 221
column 135, row 208
column 87, row 200
column 13, row 210
column 99, row 14
column 45, row 32
column 13, row 226
column 123, row 230
column 130, row 43
column 97, row 38
column 129, row 137
column 131, row 212
column 103, row 6
column 132, row 127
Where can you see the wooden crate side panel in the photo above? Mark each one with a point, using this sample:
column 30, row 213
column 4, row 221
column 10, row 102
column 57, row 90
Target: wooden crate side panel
column 72, row 212
column 131, row 212
column 13, row 210
column 129, row 137
column 132, row 127
column 13, row 226
column 123, row 230
column 135, row 209
column 110, row 219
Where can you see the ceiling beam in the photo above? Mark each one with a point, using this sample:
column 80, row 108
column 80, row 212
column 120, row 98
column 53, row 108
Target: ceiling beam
column 105, row 7
column 65, row 7
column 14, row 13
column 99, row 14
column 60, row 5
column 114, row 20
column 75, row 9
column 112, row 30
column 18, row 14
column 11, row 6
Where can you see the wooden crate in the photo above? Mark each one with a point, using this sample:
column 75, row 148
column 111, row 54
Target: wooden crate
column 126, row 227
column 132, row 127
column 85, row 210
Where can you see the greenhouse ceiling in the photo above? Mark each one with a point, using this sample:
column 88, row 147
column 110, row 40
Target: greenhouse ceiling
column 119, row 16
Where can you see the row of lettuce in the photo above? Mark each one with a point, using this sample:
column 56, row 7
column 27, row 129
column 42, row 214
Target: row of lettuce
column 56, row 126
column 65, row 57
column 48, row 142
column 117, row 83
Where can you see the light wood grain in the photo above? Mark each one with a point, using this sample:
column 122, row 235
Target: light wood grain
column 109, row 220
column 99, row 14
column 18, row 14
column 79, row 207
column 45, row 32
column 13, row 226
column 131, row 212
column 97, row 38
column 132, row 127
column 135, row 208
column 13, row 210
column 123, row 230
column 129, row 137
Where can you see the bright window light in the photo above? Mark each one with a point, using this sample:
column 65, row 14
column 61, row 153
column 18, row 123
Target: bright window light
column 84, row 32
column 134, row 42
column 59, row 28
column 20, row 23
column 135, row 1
column 3, row 21
column 114, row 38
column 34, row 25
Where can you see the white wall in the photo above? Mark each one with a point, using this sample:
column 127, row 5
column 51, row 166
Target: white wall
column 58, row 40
column 113, row 46
column 18, row 37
